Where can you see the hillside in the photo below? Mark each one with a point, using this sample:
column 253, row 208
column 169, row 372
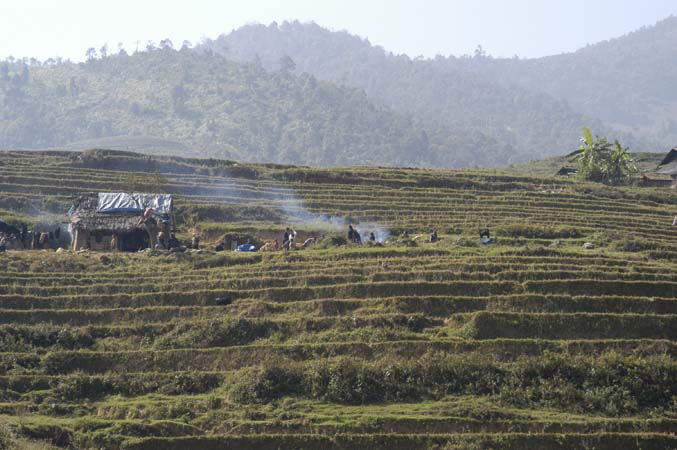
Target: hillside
column 528, row 343
column 627, row 82
column 196, row 104
column 514, row 117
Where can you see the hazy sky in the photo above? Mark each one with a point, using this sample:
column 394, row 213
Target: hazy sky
column 528, row 28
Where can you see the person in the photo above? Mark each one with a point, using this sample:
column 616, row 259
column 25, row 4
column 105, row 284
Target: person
column 195, row 242
column 351, row 234
column 270, row 246
column 35, row 243
column 221, row 246
column 161, row 240
column 114, row 243
column 3, row 245
column 44, row 237
column 372, row 237
column 165, row 223
column 147, row 214
column 173, row 242
column 24, row 236
column 433, row 236
column 292, row 239
column 357, row 238
column 285, row 238
column 308, row 242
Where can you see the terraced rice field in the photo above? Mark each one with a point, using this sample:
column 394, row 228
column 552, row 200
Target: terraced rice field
column 405, row 345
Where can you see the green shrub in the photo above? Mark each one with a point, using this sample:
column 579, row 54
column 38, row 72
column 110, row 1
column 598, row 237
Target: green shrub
column 264, row 384
column 216, row 333
column 80, row 386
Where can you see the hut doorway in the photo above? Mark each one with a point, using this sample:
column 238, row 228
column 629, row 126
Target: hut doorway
column 133, row 241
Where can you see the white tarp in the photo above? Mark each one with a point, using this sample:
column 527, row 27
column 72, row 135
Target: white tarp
column 120, row 202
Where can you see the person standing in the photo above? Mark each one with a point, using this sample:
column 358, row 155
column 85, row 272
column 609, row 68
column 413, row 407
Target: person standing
column 114, row 243
column 285, row 239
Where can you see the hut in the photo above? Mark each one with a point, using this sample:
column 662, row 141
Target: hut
column 134, row 219
column 669, row 165
column 654, row 180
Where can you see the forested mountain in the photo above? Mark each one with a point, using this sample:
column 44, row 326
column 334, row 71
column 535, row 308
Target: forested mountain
column 629, row 82
column 526, row 108
column 201, row 104
column 298, row 93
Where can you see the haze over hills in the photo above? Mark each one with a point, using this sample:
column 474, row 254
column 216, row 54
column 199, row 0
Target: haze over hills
column 533, row 108
column 298, row 93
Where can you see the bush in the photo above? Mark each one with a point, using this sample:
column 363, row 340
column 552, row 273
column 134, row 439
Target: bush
column 80, row 386
column 265, row 384
column 191, row 383
column 216, row 333
column 633, row 245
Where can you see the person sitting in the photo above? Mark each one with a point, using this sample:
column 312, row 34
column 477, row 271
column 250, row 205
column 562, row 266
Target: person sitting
column 173, row 242
column 485, row 237
column 195, row 242
column 372, row 237
column 433, row 236
column 270, row 246
column 351, row 234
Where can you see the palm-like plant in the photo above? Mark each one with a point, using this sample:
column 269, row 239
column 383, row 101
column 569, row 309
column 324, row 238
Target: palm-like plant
column 599, row 160
column 620, row 164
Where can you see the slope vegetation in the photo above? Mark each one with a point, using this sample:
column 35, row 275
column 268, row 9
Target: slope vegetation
column 478, row 110
column 196, row 104
column 407, row 344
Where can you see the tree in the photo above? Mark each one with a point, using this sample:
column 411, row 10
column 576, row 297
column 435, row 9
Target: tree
column 620, row 164
column 601, row 161
column 287, row 64
column 90, row 54
column 103, row 51
column 166, row 44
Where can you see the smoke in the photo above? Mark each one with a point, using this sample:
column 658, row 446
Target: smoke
column 298, row 214
column 287, row 201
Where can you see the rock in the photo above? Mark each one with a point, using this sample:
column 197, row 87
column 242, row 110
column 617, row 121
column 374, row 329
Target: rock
column 588, row 245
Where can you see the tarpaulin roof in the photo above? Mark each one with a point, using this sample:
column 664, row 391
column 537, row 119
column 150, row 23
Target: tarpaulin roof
column 121, row 202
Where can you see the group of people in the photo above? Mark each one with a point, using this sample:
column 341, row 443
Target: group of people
column 23, row 238
column 289, row 239
column 354, row 236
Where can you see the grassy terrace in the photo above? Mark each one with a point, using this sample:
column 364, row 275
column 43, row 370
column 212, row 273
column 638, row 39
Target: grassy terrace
column 406, row 345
